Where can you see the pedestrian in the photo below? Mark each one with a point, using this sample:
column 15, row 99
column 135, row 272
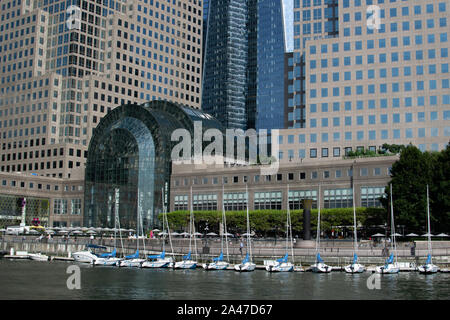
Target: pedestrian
column 240, row 247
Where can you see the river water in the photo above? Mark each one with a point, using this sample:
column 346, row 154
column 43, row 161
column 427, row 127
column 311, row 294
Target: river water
column 48, row 280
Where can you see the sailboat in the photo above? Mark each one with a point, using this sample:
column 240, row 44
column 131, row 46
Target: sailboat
column 134, row 260
column 390, row 266
column 354, row 267
column 218, row 263
column 428, row 267
column 319, row 266
column 160, row 260
column 187, row 262
column 247, row 264
column 110, row 259
column 282, row 264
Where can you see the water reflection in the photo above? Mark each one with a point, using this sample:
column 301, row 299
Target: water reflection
column 35, row 280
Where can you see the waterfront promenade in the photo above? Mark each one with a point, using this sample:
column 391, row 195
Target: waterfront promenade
column 335, row 252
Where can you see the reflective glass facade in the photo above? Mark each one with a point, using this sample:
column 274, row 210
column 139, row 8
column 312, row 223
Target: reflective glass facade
column 225, row 87
column 271, row 51
column 129, row 162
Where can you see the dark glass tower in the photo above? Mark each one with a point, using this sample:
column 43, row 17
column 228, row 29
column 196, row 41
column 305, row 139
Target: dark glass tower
column 225, row 73
column 271, row 70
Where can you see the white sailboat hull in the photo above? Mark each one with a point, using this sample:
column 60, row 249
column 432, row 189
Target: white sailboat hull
column 159, row 263
column 84, row 256
column 107, row 261
column 186, row 264
column 280, row 267
column 320, row 268
column 391, row 268
column 244, row 267
column 38, row 257
column 428, row 268
column 131, row 263
column 220, row 265
column 354, row 268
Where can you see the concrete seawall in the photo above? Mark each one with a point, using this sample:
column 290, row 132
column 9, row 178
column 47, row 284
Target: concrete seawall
column 337, row 252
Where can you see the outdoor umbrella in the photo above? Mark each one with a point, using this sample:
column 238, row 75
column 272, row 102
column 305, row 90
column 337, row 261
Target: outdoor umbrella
column 378, row 235
column 228, row 234
column 442, row 235
column 398, row 234
column 156, row 230
column 427, row 234
column 184, row 234
column 175, row 233
column 247, row 234
column 91, row 232
column 412, row 235
column 211, row 234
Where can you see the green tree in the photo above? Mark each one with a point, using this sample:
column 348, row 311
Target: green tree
column 439, row 192
column 410, row 176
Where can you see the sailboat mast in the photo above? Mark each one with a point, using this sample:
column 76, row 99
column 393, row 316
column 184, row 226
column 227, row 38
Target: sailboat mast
column 393, row 226
column 224, row 219
column 193, row 227
column 428, row 221
column 249, row 246
column 318, row 224
column 355, row 234
column 290, row 224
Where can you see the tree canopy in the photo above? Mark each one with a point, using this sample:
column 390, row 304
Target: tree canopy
column 410, row 176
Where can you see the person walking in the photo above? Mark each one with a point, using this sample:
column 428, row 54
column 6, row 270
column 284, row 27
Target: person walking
column 241, row 245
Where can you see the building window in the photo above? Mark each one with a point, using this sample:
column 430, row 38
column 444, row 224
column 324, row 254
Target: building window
column 204, row 202
column 60, row 206
column 370, row 196
column 181, row 202
column 268, row 200
column 338, row 198
column 235, row 201
column 76, row 206
column 336, row 152
column 296, row 197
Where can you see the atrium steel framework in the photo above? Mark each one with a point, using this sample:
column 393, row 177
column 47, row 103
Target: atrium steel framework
column 129, row 162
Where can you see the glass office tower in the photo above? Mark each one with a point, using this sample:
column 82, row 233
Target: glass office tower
column 224, row 92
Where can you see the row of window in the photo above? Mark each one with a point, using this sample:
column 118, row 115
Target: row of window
column 40, row 186
column 370, row 59
column 326, row 174
column 272, row 200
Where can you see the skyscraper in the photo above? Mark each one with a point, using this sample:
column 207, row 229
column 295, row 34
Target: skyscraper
column 377, row 83
column 225, row 74
column 63, row 69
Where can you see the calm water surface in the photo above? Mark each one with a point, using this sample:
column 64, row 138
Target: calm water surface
column 47, row 280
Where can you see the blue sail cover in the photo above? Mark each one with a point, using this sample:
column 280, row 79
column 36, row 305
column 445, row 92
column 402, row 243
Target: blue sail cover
column 133, row 256
column 158, row 256
column 355, row 258
column 390, row 259
column 109, row 255
column 246, row 259
column 219, row 258
column 318, row 258
column 187, row 257
column 428, row 259
column 284, row 259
